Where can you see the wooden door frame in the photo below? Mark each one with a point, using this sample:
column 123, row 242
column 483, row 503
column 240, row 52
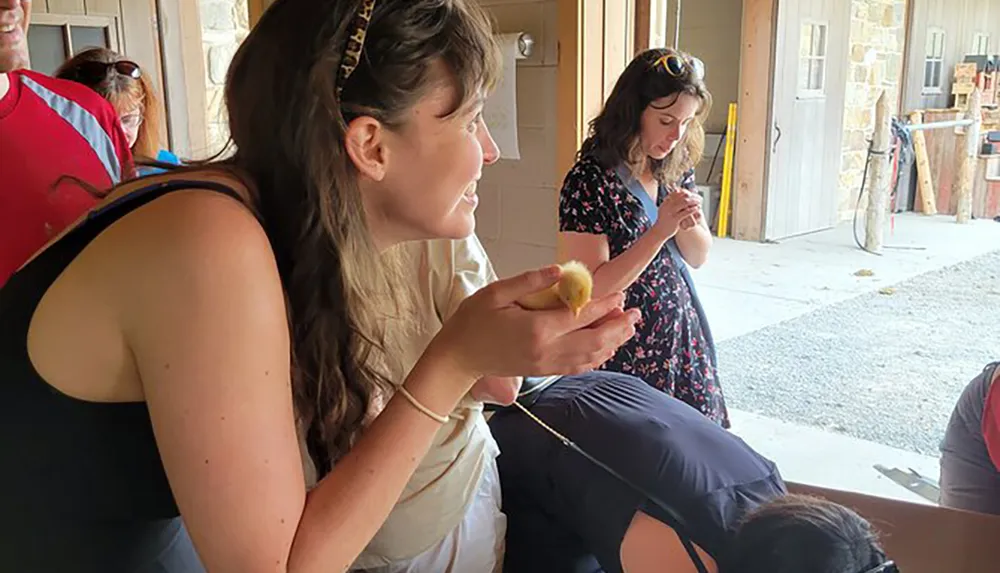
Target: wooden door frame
column 906, row 78
column 183, row 62
column 755, row 117
column 569, row 85
column 643, row 13
column 255, row 8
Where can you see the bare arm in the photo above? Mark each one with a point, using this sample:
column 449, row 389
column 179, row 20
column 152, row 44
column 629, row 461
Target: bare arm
column 695, row 242
column 610, row 275
column 207, row 328
column 350, row 504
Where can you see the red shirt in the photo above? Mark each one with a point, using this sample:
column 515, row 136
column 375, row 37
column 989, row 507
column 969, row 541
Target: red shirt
column 991, row 420
column 50, row 128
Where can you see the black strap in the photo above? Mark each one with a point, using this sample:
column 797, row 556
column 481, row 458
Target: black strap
column 143, row 195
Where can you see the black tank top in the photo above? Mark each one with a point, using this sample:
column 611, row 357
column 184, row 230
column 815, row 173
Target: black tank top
column 82, row 487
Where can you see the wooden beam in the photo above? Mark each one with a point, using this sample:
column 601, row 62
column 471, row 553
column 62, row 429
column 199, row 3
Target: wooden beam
column 587, row 70
column 925, row 179
column 643, row 8
column 617, row 53
column 184, row 78
column 905, row 79
column 754, row 123
column 569, row 87
column 255, row 8
column 881, row 173
column 139, row 35
column 967, row 152
column 592, row 63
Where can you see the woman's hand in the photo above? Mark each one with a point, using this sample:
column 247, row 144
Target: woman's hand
column 695, row 219
column 677, row 212
column 501, row 390
column 491, row 335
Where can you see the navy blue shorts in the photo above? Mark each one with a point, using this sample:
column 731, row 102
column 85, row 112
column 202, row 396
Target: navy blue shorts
column 567, row 514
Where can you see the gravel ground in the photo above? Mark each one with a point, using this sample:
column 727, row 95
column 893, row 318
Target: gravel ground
column 886, row 368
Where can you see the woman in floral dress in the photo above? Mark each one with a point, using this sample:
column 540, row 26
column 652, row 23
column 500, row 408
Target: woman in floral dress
column 629, row 211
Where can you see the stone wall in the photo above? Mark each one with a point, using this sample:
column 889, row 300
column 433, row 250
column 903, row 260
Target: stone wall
column 224, row 24
column 877, row 44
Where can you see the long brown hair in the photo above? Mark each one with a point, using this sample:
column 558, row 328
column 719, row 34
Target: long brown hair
column 126, row 94
column 613, row 138
column 288, row 125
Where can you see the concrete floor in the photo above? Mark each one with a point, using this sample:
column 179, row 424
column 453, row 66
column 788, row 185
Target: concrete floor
column 747, row 286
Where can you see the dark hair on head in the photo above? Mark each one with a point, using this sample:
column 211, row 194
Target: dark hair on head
column 126, row 94
column 288, row 127
column 613, row 138
column 799, row 534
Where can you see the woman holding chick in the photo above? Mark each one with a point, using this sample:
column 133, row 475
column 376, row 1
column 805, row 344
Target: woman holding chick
column 628, row 210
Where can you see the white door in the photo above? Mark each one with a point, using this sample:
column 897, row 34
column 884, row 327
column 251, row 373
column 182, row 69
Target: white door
column 810, row 83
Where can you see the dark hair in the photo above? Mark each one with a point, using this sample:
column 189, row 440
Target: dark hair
column 288, row 126
column 614, row 134
column 124, row 92
column 797, row 534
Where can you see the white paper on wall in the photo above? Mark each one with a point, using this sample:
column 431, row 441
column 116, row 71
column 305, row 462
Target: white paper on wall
column 500, row 109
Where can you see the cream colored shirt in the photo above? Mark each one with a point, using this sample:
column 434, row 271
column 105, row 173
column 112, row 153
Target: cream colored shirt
column 433, row 503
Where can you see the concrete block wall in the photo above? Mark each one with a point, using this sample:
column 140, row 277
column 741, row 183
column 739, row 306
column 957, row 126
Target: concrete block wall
column 224, row 25
column 517, row 218
column 877, row 44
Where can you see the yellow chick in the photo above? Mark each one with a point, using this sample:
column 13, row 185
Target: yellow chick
column 573, row 290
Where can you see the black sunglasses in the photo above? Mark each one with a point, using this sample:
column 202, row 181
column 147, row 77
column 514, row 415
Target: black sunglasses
column 98, row 70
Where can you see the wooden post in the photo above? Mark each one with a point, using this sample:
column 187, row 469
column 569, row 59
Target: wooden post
column 255, row 8
column 753, row 127
column 925, row 184
column 641, row 36
column 878, row 189
column 965, row 162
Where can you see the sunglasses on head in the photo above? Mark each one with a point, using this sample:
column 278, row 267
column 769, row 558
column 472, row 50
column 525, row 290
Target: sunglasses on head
column 887, row 567
column 98, row 70
column 678, row 66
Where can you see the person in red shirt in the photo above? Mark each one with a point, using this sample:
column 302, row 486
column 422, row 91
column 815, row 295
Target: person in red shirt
column 49, row 129
column 970, row 452
column 14, row 18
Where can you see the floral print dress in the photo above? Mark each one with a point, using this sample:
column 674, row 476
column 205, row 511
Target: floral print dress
column 672, row 349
